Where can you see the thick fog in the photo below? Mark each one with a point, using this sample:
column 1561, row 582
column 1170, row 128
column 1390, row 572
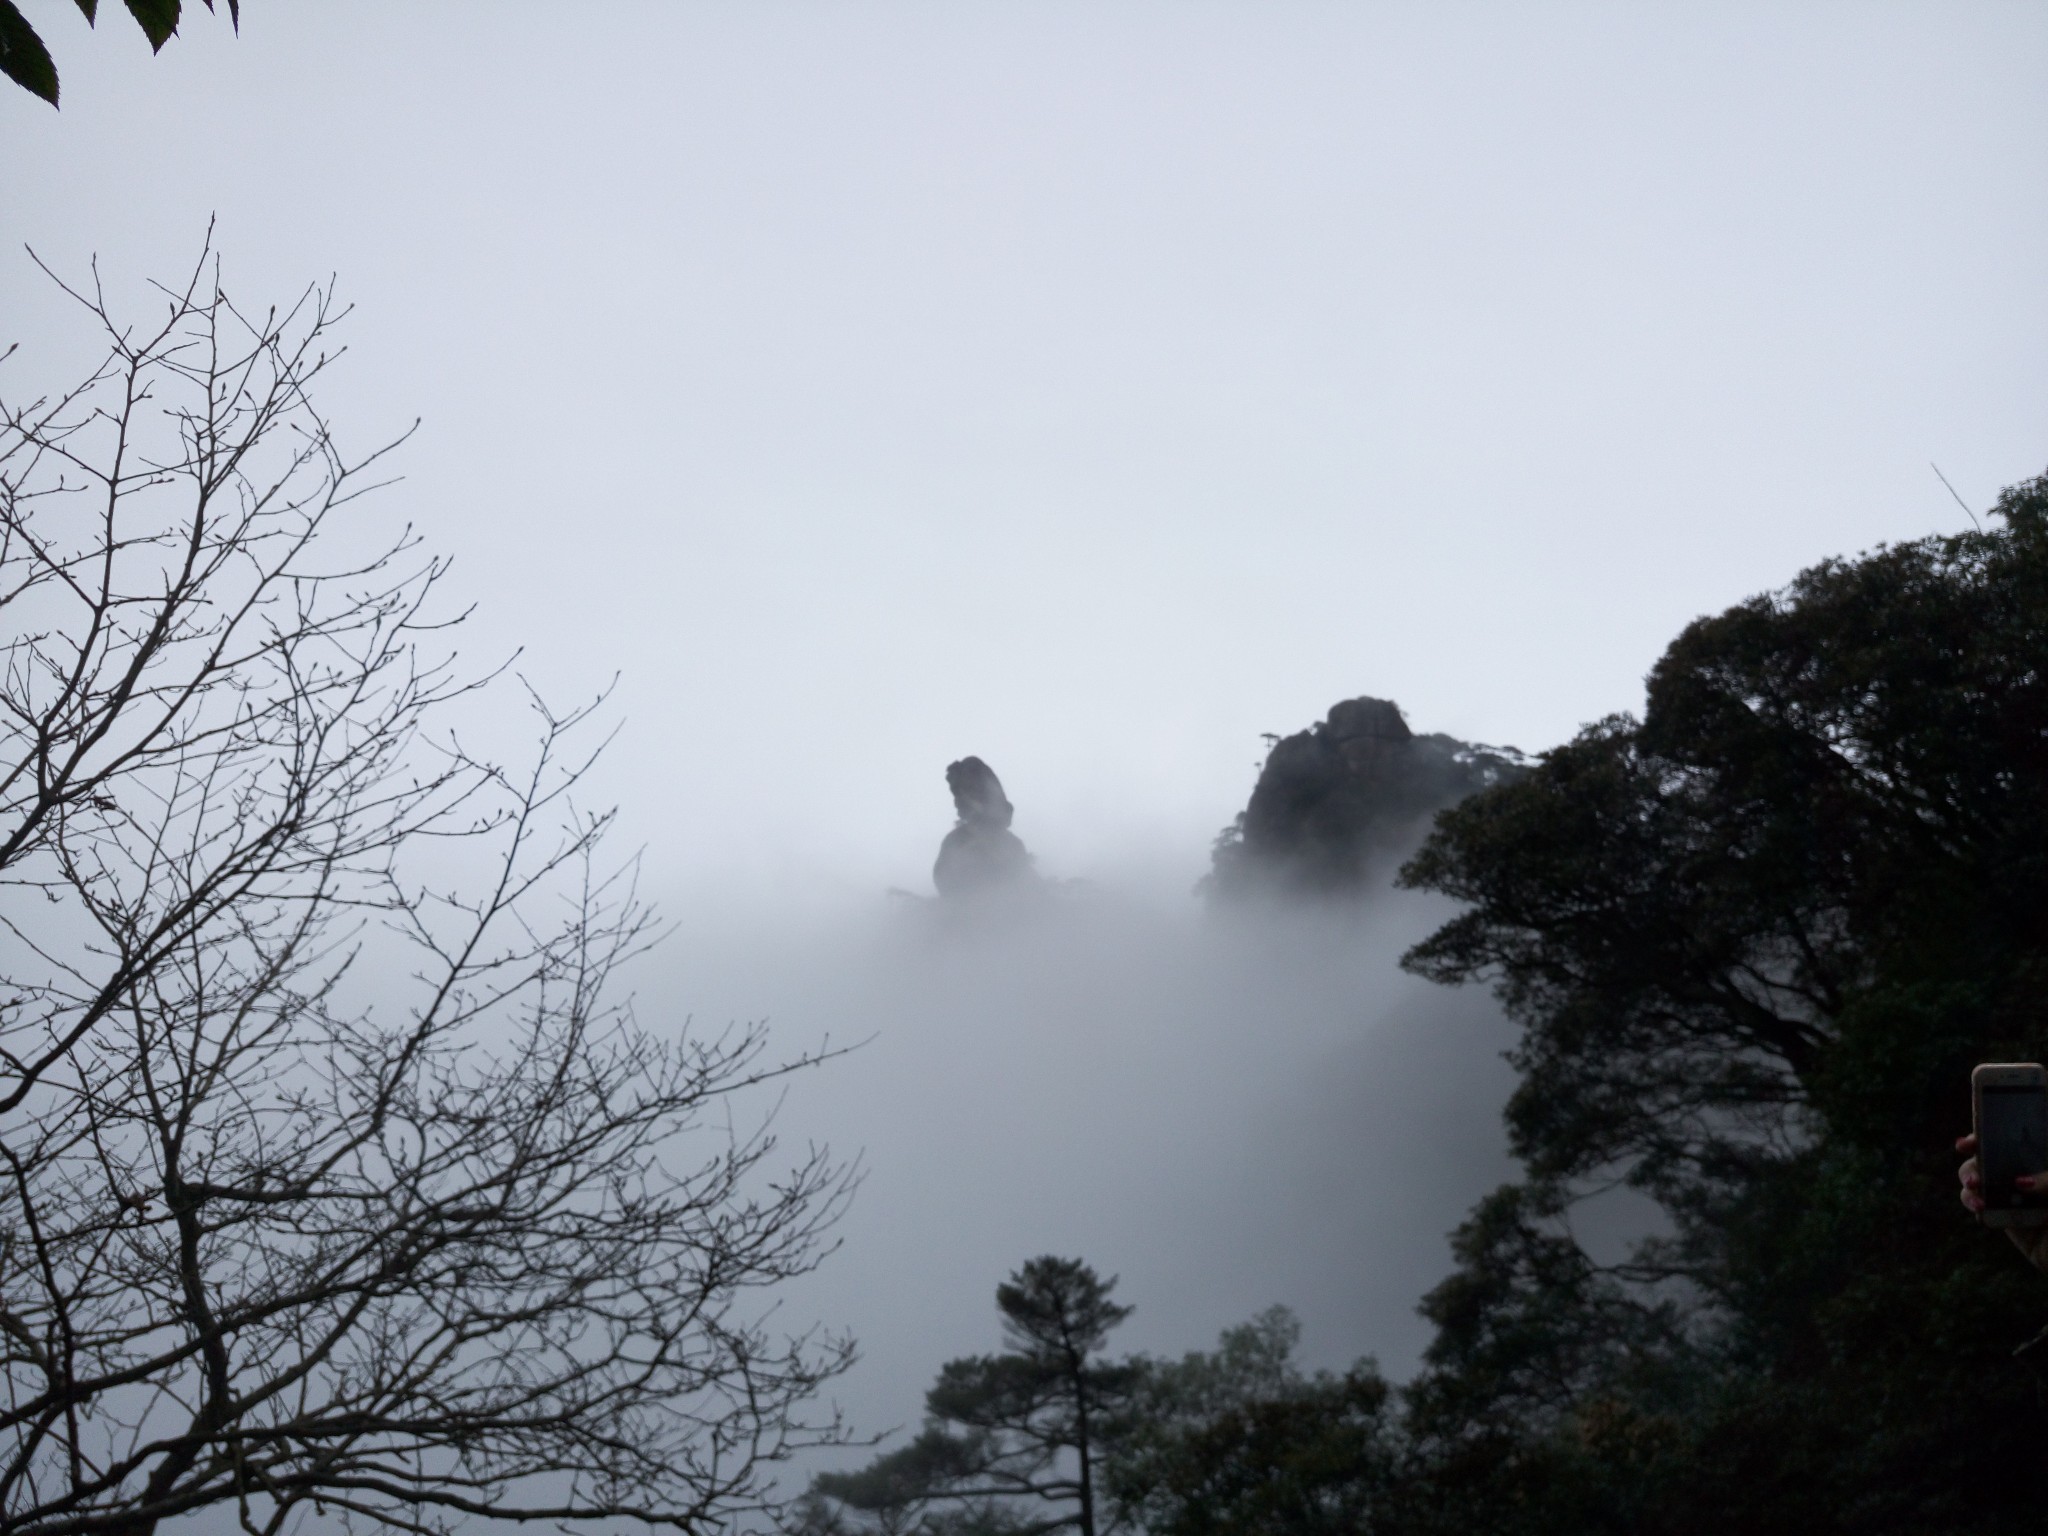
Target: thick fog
column 1093, row 388
column 1226, row 1110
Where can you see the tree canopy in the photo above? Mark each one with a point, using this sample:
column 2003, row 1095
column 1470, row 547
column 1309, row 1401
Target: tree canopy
column 1755, row 942
column 1239, row 1441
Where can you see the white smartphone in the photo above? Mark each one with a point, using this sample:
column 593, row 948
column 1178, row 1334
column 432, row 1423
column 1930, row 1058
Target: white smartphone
column 2010, row 1103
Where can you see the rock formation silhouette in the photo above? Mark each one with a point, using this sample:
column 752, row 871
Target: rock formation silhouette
column 1337, row 803
column 981, row 853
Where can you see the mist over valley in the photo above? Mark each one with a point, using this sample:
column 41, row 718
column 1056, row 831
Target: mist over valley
column 1231, row 1105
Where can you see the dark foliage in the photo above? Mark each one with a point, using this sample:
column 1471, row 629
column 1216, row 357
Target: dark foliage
column 26, row 61
column 1318, row 1462
column 1756, row 941
column 1240, row 1443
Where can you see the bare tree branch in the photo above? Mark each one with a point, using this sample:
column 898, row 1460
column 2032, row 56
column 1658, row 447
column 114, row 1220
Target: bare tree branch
column 336, row 1176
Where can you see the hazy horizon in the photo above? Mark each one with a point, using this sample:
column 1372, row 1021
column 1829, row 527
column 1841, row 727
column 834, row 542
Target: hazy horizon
column 1089, row 388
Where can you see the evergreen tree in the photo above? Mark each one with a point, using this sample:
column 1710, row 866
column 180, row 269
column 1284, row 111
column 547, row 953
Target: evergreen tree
column 1011, row 1442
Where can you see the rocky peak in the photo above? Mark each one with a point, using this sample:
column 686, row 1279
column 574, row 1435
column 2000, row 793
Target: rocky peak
column 1338, row 802
column 981, row 853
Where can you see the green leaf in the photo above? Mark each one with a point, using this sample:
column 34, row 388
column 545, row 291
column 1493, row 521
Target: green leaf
column 159, row 19
column 91, row 9
column 23, row 58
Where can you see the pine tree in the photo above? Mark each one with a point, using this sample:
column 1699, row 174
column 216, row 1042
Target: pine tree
column 1011, row 1442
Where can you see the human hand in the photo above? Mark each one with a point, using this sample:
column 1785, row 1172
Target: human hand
column 2031, row 1241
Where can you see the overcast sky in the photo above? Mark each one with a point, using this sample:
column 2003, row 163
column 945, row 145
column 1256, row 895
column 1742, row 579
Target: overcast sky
column 1092, row 387
column 1095, row 386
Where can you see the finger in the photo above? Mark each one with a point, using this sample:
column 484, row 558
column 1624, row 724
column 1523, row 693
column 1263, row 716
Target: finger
column 1972, row 1201
column 2032, row 1181
column 1966, row 1143
column 1969, row 1174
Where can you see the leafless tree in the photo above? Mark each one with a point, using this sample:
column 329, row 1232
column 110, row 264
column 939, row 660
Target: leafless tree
column 334, row 1177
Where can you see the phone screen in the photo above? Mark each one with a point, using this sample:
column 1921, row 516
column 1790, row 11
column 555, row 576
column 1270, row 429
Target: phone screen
column 2011, row 1140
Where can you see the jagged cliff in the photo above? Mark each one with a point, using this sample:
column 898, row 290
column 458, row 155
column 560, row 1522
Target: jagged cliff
column 1336, row 803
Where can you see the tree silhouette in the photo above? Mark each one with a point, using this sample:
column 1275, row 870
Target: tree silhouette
column 1755, row 941
column 334, row 1176
column 1011, row 1442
